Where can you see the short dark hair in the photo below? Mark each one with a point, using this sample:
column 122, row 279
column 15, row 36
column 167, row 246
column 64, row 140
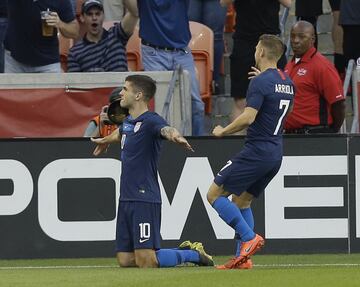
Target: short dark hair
column 273, row 45
column 144, row 84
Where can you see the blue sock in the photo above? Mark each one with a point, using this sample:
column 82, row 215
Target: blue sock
column 231, row 214
column 173, row 257
column 249, row 218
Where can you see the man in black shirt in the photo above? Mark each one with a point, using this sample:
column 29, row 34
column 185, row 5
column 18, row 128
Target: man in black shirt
column 253, row 18
column 350, row 22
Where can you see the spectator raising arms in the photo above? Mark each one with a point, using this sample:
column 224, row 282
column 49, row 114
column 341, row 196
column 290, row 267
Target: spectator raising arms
column 165, row 34
column 101, row 50
column 31, row 42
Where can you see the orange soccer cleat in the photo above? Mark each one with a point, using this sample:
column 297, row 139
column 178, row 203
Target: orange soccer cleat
column 233, row 264
column 248, row 248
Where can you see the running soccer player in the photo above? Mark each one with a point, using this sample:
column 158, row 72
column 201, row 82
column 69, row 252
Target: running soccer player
column 269, row 99
column 139, row 212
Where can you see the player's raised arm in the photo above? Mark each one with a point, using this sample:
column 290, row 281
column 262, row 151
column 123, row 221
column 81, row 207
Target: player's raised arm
column 103, row 143
column 172, row 134
column 240, row 123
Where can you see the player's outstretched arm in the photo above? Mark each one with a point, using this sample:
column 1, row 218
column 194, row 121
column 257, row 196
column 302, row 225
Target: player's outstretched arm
column 172, row 134
column 240, row 123
column 103, row 143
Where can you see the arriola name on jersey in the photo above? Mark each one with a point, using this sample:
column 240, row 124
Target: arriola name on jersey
column 286, row 89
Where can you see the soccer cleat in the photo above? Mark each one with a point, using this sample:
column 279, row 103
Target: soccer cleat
column 232, row 264
column 186, row 245
column 205, row 259
column 248, row 248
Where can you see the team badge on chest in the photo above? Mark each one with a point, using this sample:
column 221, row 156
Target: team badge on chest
column 301, row 72
column 137, row 126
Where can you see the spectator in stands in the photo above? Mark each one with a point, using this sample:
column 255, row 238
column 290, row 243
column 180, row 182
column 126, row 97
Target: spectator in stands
column 100, row 125
column 101, row 50
column 114, row 10
column 309, row 10
column 165, row 34
column 337, row 37
column 253, row 18
column 213, row 15
column 319, row 102
column 3, row 27
column 350, row 21
column 31, row 43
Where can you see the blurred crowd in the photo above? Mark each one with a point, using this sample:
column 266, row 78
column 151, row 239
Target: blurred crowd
column 30, row 31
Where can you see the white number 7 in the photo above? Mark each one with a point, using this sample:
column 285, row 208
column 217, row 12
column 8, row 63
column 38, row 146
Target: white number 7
column 284, row 104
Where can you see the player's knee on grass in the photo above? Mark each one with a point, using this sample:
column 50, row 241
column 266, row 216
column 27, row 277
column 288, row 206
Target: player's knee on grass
column 125, row 260
column 146, row 258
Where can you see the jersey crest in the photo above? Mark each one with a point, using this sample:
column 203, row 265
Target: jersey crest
column 137, row 127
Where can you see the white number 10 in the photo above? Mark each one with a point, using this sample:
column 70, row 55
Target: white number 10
column 284, row 105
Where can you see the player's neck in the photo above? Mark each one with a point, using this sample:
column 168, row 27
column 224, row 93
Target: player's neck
column 263, row 66
column 138, row 111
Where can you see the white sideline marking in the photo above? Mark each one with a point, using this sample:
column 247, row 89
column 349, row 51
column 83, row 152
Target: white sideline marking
column 57, row 267
column 114, row 266
column 306, row 265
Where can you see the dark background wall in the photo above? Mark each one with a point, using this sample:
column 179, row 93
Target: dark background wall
column 57, row 200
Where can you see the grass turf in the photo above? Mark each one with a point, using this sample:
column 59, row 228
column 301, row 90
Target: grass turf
column 269, row 271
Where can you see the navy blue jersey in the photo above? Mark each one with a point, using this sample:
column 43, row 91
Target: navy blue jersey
column 140, row 144
column 271, row 94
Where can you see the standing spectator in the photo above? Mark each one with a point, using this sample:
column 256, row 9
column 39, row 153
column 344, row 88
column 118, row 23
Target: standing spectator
column 246, row 175
column 309, row 10
column 350, row 22
column 3, row 28
column 253, row 18
column 319, row 102
column 31, row 42
column 337, row 37
column 165, row 34
column 213, row 15
column 113, row 9
column 101, row 50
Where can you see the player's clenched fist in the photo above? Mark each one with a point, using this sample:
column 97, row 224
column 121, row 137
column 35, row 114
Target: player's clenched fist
column 218, row 131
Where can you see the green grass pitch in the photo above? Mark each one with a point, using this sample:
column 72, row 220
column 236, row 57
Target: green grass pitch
column 269, row 271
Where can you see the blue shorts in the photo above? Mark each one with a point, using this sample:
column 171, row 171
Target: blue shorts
column 241, row 174
column 138, row 226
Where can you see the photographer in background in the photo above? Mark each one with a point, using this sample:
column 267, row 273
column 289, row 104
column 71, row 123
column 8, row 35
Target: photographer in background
column 101, row 125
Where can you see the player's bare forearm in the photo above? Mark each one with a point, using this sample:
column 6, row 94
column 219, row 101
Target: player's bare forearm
column 240, row 123
column 172, row 134
column 102, row 144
